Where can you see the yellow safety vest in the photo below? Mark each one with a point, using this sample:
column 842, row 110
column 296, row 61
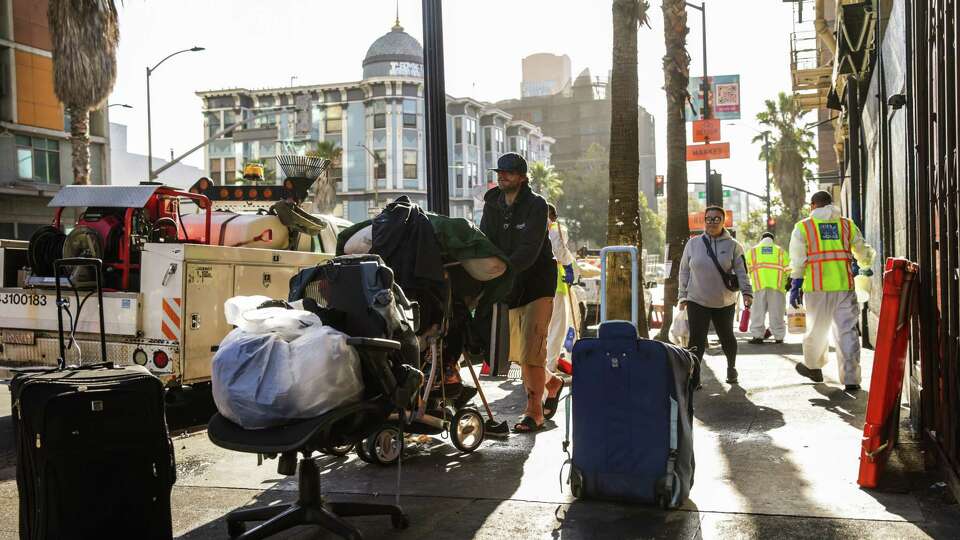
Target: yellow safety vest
column 829, row 259
column 768, row 265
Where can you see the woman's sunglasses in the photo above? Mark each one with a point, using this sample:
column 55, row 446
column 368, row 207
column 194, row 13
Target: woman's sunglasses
column 713, row 220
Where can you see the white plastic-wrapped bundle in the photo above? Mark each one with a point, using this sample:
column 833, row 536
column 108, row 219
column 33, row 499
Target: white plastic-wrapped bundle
column 281, row 365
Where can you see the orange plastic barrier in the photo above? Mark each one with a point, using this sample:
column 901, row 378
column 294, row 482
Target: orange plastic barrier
column 893, row 334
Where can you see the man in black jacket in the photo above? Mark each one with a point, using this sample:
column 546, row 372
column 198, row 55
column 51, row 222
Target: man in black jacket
column 515, row 219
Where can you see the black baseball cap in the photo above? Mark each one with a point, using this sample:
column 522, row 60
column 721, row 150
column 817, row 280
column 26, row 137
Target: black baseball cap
column 766, row 235
column 511, row 162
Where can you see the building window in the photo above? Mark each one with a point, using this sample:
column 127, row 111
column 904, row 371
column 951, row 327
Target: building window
column 471, row 125
column 269, row 120
column 458, row 130
column 498, row 140
column 213, row 123
column 409, row 163
column 336, row 174
column 229, row 119
column 215, row 171
column 230, row 170
column 409, row 113
column 488, row 139
column 513, row 144
column 472, row 179
column 380, row 158
column 458, row 174
column 38, row 159
column 334, row 121
column 379, row 114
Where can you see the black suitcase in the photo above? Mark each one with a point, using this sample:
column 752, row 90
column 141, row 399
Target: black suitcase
column 94, row 457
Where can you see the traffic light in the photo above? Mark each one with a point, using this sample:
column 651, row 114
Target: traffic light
column 715, row 190
column 658, row 185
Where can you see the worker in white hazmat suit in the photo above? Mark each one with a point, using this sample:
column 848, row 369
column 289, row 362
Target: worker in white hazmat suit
column 561, row 322
column 769, row 269
column 822, row 252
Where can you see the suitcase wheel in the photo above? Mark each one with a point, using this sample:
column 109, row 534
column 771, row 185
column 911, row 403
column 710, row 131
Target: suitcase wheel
column 576, row 483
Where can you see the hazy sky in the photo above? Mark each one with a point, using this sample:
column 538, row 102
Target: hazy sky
column 258, row 43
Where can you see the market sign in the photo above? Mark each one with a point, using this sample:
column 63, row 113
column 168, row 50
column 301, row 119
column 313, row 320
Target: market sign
column 725, row 97
column 701, row 152
column 706, row 130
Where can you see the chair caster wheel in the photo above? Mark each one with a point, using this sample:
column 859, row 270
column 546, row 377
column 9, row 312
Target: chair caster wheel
column 236, row 528
column 399, row 521
column 338, row 451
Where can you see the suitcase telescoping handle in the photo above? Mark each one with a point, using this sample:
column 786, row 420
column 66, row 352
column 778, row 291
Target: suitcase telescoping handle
column 97, row 265
column 634, row 280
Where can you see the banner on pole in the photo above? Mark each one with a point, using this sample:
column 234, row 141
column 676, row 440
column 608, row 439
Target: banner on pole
column 724, row 94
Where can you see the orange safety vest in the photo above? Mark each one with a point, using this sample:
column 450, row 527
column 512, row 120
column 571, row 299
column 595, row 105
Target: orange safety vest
column 829, row 259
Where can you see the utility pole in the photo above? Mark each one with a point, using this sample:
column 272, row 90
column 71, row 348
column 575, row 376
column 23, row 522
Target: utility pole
column 706, row 111
column 766, row 160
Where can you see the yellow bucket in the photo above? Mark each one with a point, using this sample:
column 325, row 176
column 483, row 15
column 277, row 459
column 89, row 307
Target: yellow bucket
column 796, row 321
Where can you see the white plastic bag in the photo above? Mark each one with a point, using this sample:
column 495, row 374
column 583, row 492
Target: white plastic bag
column 236, row 305
column 261, row 380
column 680, row 329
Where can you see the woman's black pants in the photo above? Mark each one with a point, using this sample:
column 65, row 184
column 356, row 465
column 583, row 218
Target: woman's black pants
column 699, row 318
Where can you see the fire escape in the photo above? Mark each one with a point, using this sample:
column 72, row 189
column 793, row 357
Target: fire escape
column 812, row 46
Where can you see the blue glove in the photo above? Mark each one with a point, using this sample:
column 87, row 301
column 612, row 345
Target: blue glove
column 855, row 268
column 568, row 274
column 796, row 293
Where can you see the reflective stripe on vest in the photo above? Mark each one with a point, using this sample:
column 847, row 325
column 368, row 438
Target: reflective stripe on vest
column 766, row 270
column 828, row 266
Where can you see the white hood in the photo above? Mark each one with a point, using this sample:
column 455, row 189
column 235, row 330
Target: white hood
column 824, row 213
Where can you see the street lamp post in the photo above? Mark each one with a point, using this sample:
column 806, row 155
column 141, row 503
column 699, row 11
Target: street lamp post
column 150, row 70
column 706, row 111
column 766, row 162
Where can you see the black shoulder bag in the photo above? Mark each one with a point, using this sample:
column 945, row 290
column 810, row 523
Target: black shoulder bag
column 730, row 279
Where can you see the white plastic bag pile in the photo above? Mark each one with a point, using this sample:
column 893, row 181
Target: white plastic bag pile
column 280, row 365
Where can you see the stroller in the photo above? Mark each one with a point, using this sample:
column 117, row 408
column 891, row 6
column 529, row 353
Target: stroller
column 357, row 295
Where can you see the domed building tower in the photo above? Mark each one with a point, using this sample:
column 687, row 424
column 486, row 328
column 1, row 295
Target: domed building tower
column 394, row 54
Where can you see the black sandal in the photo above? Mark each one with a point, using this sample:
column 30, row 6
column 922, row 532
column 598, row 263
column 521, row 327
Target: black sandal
column 527, row 425
column 553, row 403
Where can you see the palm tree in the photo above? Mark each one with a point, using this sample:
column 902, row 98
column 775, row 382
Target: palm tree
column 623, row 216
column 85, row 34
column 325, row 197
column 676, row 74
column 546, row 181
column 790, row 150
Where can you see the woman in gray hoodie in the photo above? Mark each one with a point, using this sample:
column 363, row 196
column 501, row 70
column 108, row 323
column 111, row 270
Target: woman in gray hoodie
column 709, row 293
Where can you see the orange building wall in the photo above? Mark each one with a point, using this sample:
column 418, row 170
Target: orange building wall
column 37, row 104
column 30, row 24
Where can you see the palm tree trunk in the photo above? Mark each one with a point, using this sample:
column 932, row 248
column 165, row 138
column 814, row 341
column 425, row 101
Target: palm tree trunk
column 80, row 141
column 676, row 73
column 623, row 217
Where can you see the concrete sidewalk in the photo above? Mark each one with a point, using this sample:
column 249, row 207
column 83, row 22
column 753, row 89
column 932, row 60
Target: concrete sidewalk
column 777, row 456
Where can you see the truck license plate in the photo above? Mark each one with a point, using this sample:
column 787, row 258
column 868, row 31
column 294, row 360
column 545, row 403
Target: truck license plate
column 19, row 337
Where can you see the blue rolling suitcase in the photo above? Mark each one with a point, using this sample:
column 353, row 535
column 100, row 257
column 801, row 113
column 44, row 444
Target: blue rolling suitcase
column 632, row 412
